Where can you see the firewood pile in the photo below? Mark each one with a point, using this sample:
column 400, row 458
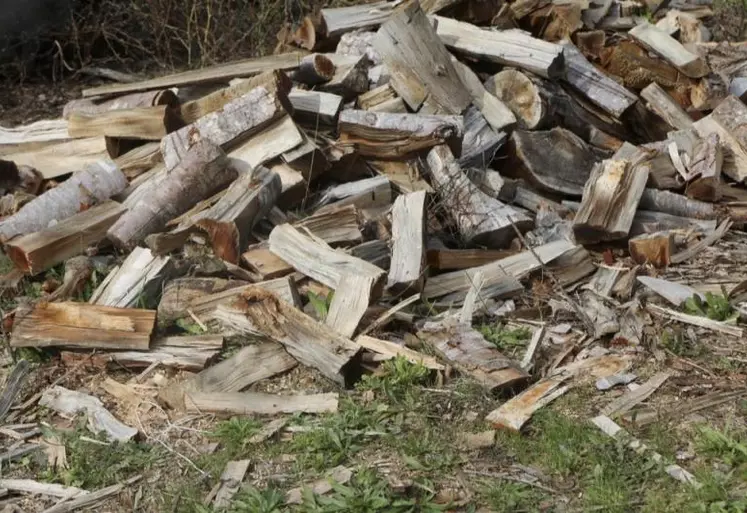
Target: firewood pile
column 419, row 165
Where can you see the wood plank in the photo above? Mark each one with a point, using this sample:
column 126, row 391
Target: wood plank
column 670, row 49
column 258, row 403
column 82, row 325
column 392, row 349
column 205, row 306
column 308, row 341
column 386, row 135
column 213, row 74
column 420, row 66
column 407, row 267
column 42, row 250
column 61, row 157
column 230, row 482
column 507, row 47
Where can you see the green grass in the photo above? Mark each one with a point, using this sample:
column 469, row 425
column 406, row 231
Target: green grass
column 714, row 306
column 510, row 341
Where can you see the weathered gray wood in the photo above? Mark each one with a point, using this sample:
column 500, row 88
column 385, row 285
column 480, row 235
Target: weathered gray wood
column 376, row 96
column 137, row 281
column 346, row 190
column 595, row 85
column 177, row 294
column 481, row 141
column 334, row 226
column 258, row 403
column 610, row 200
column 349, row 303
column 13, row 386
column 312, row 106
column 200, row 174
column 205, row 306
column 496, row 113
column 42, row 250
column 258, row 312
column 507, row 47
column 663, row 105
column 279, row 138
column 340, row 20
column 238, row 119
column 675, row 293
column 392, row 350
column 420, row 66
column 557, row 160
column 407, row 267
column 386, row 135
column 480, row 218
column 230, row 482
column 677, row 205
column 670, row 49
column 728, row 121
column 705, row 167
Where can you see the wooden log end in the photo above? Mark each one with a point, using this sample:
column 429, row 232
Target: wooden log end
column 655, row 249
column 224, row 239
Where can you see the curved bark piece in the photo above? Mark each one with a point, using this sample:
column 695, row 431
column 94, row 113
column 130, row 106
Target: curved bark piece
column 522, row 96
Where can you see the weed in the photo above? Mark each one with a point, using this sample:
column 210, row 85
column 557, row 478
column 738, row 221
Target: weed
column 253, row 500
column 427, row 450
column 190, row 327
column 321, row 304
column 397, row 379
column 676, row 342
column 715, row 307
column 729, row 447
column 234, row 433
column 507, row 496
column 505, row 339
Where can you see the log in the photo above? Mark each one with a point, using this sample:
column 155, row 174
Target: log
column 480, row 142
column 407, row 267
column 507, row 47
column 595, row 85
column 136, row 282
column 311, row 343
column 229, row 222
column 88, row 107
column 706, row 167
column 654, row 248
column 209, row 75
column 663, row 105
column 274, row 80
column 728, row 121
column 236, row 121
column 190, row 353
column 496, row 112
column 453, row 259
column 500, row 277
column 375, row 252
column 318, row 261
column 148, row 123
column 661, row 43
column 385, row 135
column 522, row 96
column 83, row 325
column 609, row 201
column 420, row 66
column 314, row 69
column 258, row 403
column 349, row 303
column 351, row 76
column 42, row 250
column 82, row 190
column 206, row 306
column 279, row 138
column 202, row 172
column 43, row 131
column 557, row 160
column 312, row 107
column 71, row 403
column 341, row 20
column 480, row 219
column 676, row 204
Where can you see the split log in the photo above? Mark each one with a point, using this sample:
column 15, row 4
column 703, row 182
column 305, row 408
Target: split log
column 319, row 262
column 314, row 69
column 42, row 250
column 507, row 47
column 654, row 248
column 335, row 226
column 149, row 123
column 663, row 105
column 307, row 158
column 496, row 113
column 341, row 20
column 279, row 138
column 670, row 49
column 500, row 277
column 557, row 160
column 177, row 295
column 351, row 76
column 375, row 186
column 480, row 142
column 610, row 200
column 406, row 176
column 349, row 305
column 311, row 343
column 82, row 190
column 206, row 306
column 392, row 350
column 522, row 96
column 71, row 403
column 312, row 107
column 230, row 482
column 480, row 218
column 374, row 252
column 190, row 353
column 706, row 167
column 230, row 221
column 88, row 107
column 136, row 282
column 213, row 74
column 238, row 119
column 384, row 135
column 139, row 160
column 728, row 121
column 202, row 172
column 264, row 264
column 453, row 259
column 376, row 96
column 258, row 403
column 595, row 85
column 420, row 66
column 83, row 325
column 406, row 270
column 77, row 272
column 43, row 131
